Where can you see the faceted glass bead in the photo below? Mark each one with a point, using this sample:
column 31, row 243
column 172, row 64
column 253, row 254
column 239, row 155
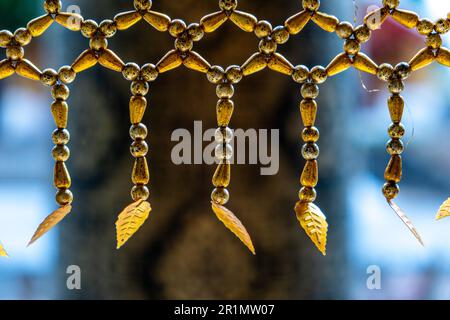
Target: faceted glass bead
column 224, row 151
column 223, row 135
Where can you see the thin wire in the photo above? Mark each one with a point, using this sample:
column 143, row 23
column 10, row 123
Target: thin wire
column 411, row 138
column 355, row 20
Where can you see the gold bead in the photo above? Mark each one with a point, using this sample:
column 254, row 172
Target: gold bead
column 22, row 36
column 137, row 109
column 393, row 170
column 66, row 74
column 267, row 46
column 310, row 174
column 64, row 196
column 396, row 106
column 391, row 190
column 49, row 77
column 395, row 85
column 318, row 74
column 312, row 5
column 215, row 74
column 60, row 111
column 406, row 18
column 403, row 69
column 86, row 60
column 5, row 38
column 351, row 46
column 88, row 28
column 325, row 21
column 243, row 20
column 224, row 111
column 141, row 5
column 391, row 4
column 60, row 153
column 139, row 88
column 227, row 4
column 363, row 63
column 52, row 6
column 184, row 43
column 310, row 151
column 310, row 134
column 138, row 131
column 234, row 74
column 195, row 31
column 308, row 110
column 225, row 90
column 443, row 57
column 442, row 26
column 300, row 74
column 422, row 59
column 344, row 30
column 310, row 90
column 339, row 64
column 14, row 52
column 170, row 61
column 307, row 194
column 425, row 26
column 280, row 34
column 157, row 20
column 297, row 22
column 139, row 148
column 213, row 21
column 385, row 71
column 280, row 64
column 61, row 176
column 362, row 33
column 374, row 19
column 28, row 70
column 71, row 21
column 60, row 136
column 396, row 131
column 395, row 147
column 255, row 63
column 98, row 42
column 222, row 175
column 149, row 72
column 108, row 28
column 434, row 40
column 140, row 193
column 263, row 29
column 131, row 71
column 110, row 60
column 126, row 19
column 176, row 27
column 140, row 174
column 60, row 91
column 6, row 69
column 220, row 196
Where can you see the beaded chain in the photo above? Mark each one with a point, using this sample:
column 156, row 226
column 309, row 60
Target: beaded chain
column 309, row 215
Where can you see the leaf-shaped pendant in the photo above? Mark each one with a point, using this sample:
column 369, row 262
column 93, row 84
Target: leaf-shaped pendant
column 3, row 252
column 402, row 215
column 233, row 224
column 52, row 220
column 314, row 222
column 130, row 220
column 444, row 210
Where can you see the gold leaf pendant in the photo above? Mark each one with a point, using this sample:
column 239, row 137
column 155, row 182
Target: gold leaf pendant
column 402, row 215
column 130, row 220
column 233, row 224
column 444, row 210
column 314, row 222
column 3, row 252
column 52, row 220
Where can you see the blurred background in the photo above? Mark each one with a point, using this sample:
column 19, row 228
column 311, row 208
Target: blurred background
column 183, row 252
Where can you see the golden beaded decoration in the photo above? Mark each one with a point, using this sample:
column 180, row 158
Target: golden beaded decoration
column 309, row 215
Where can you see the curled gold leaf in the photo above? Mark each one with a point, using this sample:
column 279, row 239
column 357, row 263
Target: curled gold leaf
column 444, row 210
column 3, row 252
column 233, row 224
column 314, row 222
column 130, row 220
column 52, row 220
column 402, row 215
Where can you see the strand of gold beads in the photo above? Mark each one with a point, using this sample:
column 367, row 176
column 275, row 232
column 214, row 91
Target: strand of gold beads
column 224, row 151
